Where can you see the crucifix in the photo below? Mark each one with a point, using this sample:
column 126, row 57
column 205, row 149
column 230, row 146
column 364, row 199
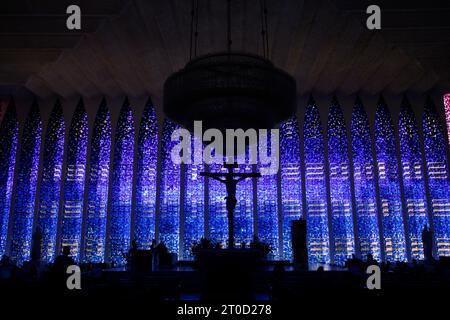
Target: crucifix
column 230, row 182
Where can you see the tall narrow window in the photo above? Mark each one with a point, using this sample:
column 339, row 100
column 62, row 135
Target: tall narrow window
column 25, row 194
column 217, row 218
column 438, row 178
column 243, row 213
column 169, row 219
column 144, row 231
column 194, row 201
column 267, row 205
column 389, row 185
column 47, row 218
column 8, row 146
column 122, row 186
column 413, row 179
column 72, row 214
column 98, row 185
column 367, row 223
column 291, row 181
column 343, row 241
column 316, row 191
column 447, row 114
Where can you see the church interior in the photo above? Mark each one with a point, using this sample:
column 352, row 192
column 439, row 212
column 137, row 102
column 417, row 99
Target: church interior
column 88, row 114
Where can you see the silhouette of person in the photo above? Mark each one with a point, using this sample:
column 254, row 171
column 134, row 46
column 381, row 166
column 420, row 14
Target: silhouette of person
column 153, row 252
column 131, row 256
column 36, row 245
column 6, row 268
column 427, row 240
column 153, row 245
column 62, row 262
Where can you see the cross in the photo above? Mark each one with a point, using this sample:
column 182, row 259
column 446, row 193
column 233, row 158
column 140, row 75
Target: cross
column 230, row 183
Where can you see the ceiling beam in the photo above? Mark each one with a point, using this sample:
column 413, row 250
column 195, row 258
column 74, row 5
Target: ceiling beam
column 46, row 7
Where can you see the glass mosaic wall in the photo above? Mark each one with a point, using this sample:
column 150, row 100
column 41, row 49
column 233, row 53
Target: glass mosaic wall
column 290, row 181
column 318, row 240
column 194, row 204
column 122, row 186
column 169, row 211
column 9, row 130
column 413, row 179
column 49, row 195
column 368, row 232
column 74, row 183
column 98, row 186
column 343, row 239
column 390, row 200
column 145, row 215
column 359, row 193
column 438, row 178
column 26, row 180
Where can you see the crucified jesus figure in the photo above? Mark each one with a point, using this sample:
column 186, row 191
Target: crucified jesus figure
column 230, row 182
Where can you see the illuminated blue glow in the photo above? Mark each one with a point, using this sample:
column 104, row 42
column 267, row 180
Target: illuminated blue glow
column 49, row 196
column 25, row 195
column 122, row 187
column 438, row 178
column 8, row 146
column 217, row 218
column 243, row 214
column 98, row 186
column 267, row 207
column 389, row 186
column 291, row 182
column 147, row 161
column 194, row 203
column 316, row 191
column 169, row 220
column 365, row 192
column 72, row 214
column 343, row 240
column 413, row 179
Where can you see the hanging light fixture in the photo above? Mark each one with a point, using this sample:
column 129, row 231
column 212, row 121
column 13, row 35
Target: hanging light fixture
column 229, row 90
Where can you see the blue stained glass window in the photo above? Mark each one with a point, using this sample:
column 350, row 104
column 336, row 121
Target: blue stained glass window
column 122, row 186
column 169, row 219
column 217, row 218
column 389, row 185
column 98, row 186
column 365, row 193
column 47, row 218
column 243, row 213
column 438, row 178
column 194, row 202
column 72, row 214
column 413, row 179
column 291, row 181
column 25, row 194
column 316, row 191
column 8, row 146
column 343, row 240
column 144, row 231
column 267, row 207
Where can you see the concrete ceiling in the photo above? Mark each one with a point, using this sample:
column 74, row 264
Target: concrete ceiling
column 130, row 47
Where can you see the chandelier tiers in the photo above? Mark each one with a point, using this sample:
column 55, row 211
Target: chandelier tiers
column 230, row 90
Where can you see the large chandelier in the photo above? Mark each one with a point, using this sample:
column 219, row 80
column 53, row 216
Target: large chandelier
column 230, row 90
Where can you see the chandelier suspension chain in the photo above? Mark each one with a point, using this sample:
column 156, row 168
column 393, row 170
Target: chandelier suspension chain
column 193, row 48
column 194, row 29
column 266, row 30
